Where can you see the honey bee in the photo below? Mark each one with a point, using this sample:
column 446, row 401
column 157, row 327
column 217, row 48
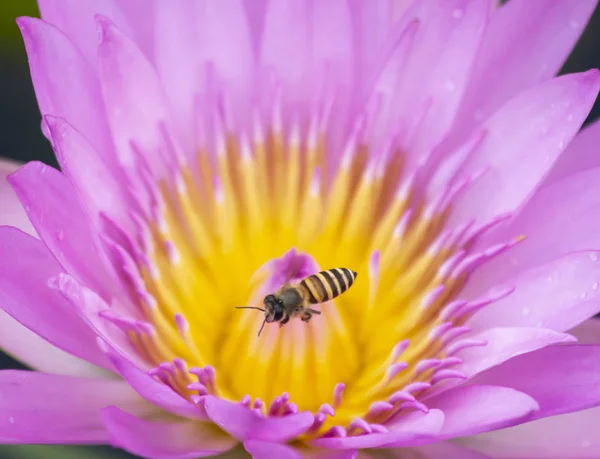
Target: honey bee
column 293, row 300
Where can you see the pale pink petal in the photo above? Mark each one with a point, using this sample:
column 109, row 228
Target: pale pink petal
column 266, row 450
column 587, row 332
column 139, row 14
column 12, row 213
column 133, row 97
column 38, row 354
column 542, row 35
column 522, row 140
column 244, row 424
column 439, row 450
column 557, row 295
column 562, row 379
column 573, row 436
column 445, row 450
column 430, row 89
column 45, row 408
column 178, row 64
column 64, row 83
column 580, row 155
column 63, row 224
column 565, row 207
column 209, row 36
column 164, row 440
column 155, row 392
column 76, row 19
column 371, row 24
column 469, row 410
column 332, row 61
column 88, row 173
column 504, row 343
column 255, row 10
column 26, row 267
column 286, row 33
column 413, row 429
column 90, row 307
column 15, row 339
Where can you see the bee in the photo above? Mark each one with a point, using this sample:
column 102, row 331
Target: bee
column 293, row 300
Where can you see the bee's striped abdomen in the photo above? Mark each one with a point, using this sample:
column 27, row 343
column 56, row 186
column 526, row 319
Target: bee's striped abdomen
column 326, row 285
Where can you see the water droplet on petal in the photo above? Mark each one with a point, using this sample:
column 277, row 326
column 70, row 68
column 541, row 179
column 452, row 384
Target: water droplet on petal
column 570, row 117
column 574, row 24
column 561, row 145
column 594, row 256
column 525, row 312
column 586, row 444
column 595, row 286
column 583, row 295
column 60, row 235
column 450, row 86
column 11, row 420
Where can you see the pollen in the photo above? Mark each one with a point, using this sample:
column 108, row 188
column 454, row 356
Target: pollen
column 271, row 206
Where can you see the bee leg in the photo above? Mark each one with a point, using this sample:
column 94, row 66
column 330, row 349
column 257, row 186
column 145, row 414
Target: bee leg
column 314, row 311
column 306, row 316
column 284, row 321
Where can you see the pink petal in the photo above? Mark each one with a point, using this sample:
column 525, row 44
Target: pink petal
column 522, row 141
column 178, row 64
column 445, row 450
column 164, row 440
column 89, row 306
column 450, row 31
column 76, row 19
column 244, row 424
column 541, row 37
column 565, row 207
column 413, row 429
column 332, row 62
column 37, row 353
column 63, row 225
column 439, row 450
column 13, row 213
column 25, row 268
column 208, row 34
column 266, row 450
column 133, row 97
column 286, row 33
column 557, row 295
column 45, row 408
column 65, row 84
column 469, row 410
column 573, row 436
column 562, row 379
column 587, row 332
column 155, row 392
column 371, row 24
column 87, row 170
column 580, row 155
column 504, row 343
column 139, row 14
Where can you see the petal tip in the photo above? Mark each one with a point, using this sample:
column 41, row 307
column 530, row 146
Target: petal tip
column 105, row 28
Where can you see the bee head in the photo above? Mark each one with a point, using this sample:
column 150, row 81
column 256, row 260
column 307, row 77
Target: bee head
column 273, row 308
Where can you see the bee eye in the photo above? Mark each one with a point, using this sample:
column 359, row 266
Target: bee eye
column 279, row 301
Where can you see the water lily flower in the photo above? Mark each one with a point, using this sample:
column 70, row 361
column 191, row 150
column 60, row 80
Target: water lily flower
column 212, row 151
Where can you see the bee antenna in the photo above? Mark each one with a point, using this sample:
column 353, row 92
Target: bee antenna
column 249, row 307
column 262, row 326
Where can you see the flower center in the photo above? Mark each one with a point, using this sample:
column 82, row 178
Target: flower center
column 220, row 234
